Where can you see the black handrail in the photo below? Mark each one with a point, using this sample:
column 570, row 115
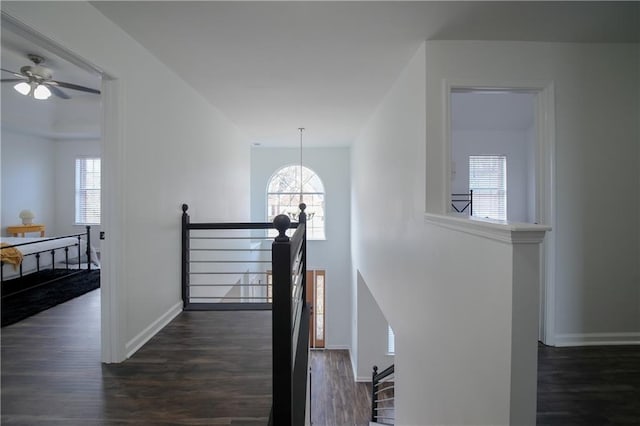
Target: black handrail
column 290, row 313
column 191, row 302
column 376, row 380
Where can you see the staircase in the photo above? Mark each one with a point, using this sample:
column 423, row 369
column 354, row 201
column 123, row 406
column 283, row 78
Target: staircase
column 383, row 396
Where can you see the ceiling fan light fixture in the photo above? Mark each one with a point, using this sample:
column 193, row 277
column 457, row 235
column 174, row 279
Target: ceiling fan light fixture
column 23, row 88
column 42, row 92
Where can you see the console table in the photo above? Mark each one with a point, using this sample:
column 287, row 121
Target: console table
column 22, row 229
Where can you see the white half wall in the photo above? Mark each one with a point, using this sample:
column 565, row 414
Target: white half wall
column 450, row 296
column 170, row 147
column 597, row 275
column 332, row 254
column 27, row 179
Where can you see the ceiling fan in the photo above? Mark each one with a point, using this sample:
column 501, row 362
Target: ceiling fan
column 36, row 81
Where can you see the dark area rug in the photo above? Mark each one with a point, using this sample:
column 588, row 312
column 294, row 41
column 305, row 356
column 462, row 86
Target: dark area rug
column 24, row 297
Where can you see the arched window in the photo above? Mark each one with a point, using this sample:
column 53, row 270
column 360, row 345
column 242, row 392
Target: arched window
column 283, row 197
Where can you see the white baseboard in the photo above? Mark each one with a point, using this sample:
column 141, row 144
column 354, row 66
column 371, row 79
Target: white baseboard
column 338, row 348
column 143, row 337
column 597, row 339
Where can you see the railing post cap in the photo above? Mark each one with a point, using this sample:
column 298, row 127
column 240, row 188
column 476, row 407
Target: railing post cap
column 302, row 206
column 185, row 207
column 282, row 223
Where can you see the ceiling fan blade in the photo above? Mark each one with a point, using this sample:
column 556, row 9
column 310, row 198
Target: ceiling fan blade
column 11, row 80
column 72, row 86
column 59, row 93
column 14, row 73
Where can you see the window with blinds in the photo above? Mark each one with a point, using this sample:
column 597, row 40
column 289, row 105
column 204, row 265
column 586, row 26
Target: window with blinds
column 488, row 180
column 87, row 191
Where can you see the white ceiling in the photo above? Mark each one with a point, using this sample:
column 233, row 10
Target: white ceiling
column 275, row 66
column 75, row 118
column 272, row 67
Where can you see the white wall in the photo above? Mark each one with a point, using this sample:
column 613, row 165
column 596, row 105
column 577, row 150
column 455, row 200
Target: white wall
column 27, row 179
column 597, row 174
column 172, row 147
column 332, row 254
column 372, row 334
column 448, row 295
column 39, row 174
column 531, row 145
column 512, row 144
column 66, row 153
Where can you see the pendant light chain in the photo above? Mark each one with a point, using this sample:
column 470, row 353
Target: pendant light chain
column 301, row 129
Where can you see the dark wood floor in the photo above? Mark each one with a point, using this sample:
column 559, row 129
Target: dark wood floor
column 593, row 385
column 204, row 368
column 220, row 375
column 336, row 399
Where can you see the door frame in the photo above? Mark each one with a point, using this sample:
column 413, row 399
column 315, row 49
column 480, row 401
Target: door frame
column 545, row 171
column 112, row 297
column 311, row 286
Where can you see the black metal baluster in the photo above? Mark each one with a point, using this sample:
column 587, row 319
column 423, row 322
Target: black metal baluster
column 66, row 257
column 374, row 390
column 185, row 256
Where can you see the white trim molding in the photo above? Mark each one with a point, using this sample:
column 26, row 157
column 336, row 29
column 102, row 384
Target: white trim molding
column 338, row 348
column 597, row 339
column 502, row 231
column 145, row 335
column 545, row 174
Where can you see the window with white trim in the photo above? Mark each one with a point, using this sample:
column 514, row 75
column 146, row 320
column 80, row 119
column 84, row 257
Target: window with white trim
column 87, row 191
column 283, row 197
column 391, row 341
column 488, row 181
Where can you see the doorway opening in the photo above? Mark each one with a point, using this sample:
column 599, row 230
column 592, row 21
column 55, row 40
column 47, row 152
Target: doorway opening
column 316, row 283
column 493, row 139
column 501, row 156
column 75, row 122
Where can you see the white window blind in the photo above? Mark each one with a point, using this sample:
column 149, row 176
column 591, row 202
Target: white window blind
column 391, row 341
column 87, row 191
column 488, row 180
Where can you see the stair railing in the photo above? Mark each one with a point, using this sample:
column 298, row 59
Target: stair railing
column 226, row 266
column 383, row 396
column 290, row 324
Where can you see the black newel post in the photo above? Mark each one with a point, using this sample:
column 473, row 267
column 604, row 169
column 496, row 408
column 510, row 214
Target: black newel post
column 374, row 385
column 185, row 256
column 281, row 327
column 302, row 220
